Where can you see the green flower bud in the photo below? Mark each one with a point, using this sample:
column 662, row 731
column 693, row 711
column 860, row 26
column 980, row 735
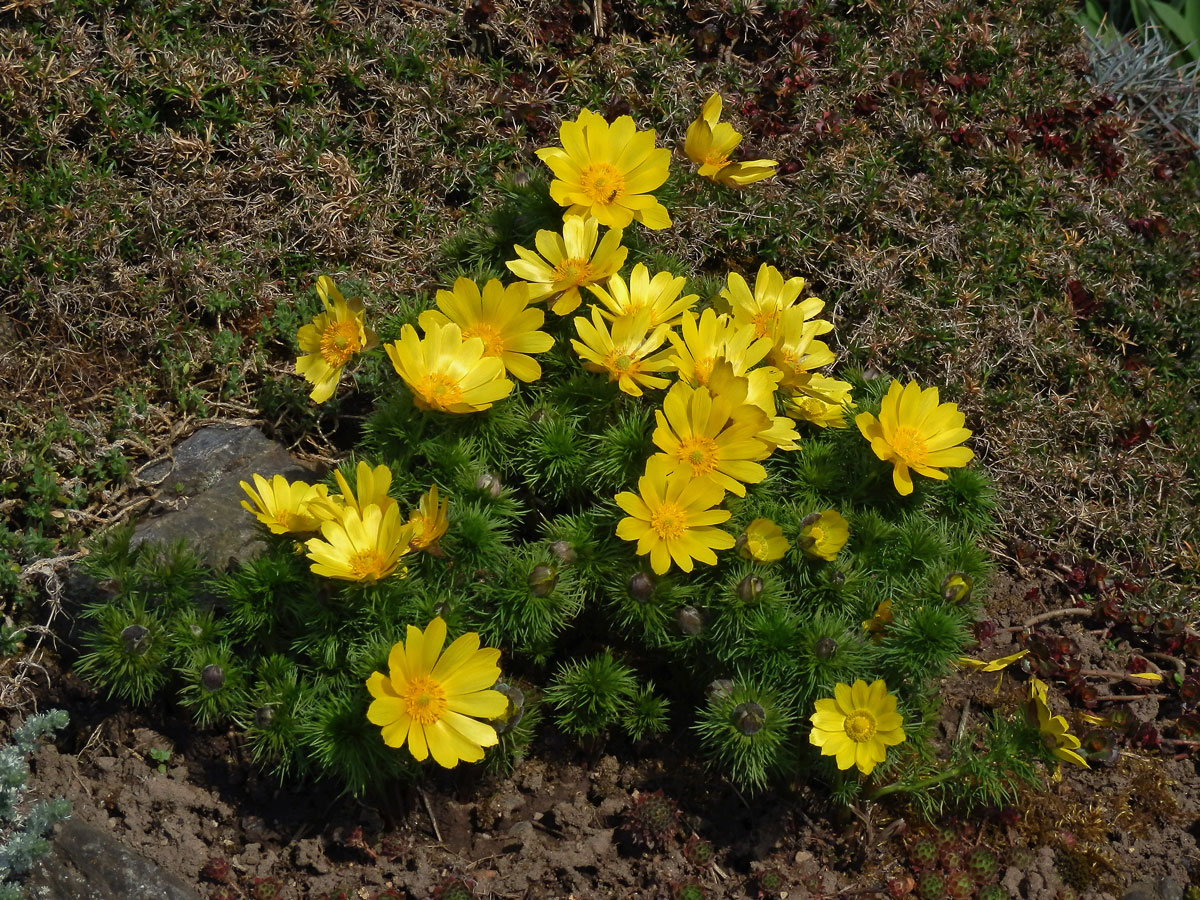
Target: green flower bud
column 748, row 718
column 264, row 716
column 490, row 484
column 689, row 620
column 542, row 581
column 641, row 587
column 515, row 710
column 826, row 648
column 135, row 639
column 956, row 588
column 749, row 588
column 564, row 552
column 212, row 678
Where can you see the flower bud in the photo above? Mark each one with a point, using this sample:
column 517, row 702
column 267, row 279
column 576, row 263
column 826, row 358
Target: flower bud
column 195, row 630
column 212, row 677
column 749, row 588
column 135, row 639
column 826, row 648
column 719, row 689
column 514, row 712
column 689, row 620
column 641, row 587
column 748, row 718
column 564, row 552
column 264, row 716
column 490, row 485
column 956, row 588
column 542, row 581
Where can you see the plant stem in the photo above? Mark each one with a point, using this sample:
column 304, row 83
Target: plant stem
column 909, row 787
column 1066, row 612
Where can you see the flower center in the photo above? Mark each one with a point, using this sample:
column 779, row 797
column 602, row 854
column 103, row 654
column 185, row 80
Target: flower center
column 369, row 565
column 756, row 547
column 716, row 159
column 817, row 533
column 860, row 726
column 573, row 272
column 339, row 342
column 909, row 445
column 704, row 369
column 602, row 182
column 424, row 700
column 669, row 521
column 618, row 362
column 493, row 341
column 439, row 390
column 764, row 322
column 698, row 452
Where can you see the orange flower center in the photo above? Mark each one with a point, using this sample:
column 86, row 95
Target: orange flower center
column 339, row 342
column 369, row 565
column 860, row 726
column 424, row 700
column 669, row 521
column 573, row 272
column 698, row 452
column 439, row 390
column 493, row 341
column 619, row 362
column 704, row 369
column 909, row 445
column 716, row 159
column 764, row 322
column 602, row 182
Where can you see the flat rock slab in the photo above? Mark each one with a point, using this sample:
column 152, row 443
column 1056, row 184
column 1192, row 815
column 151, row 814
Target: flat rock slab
column 199, row 499
column 86, row 863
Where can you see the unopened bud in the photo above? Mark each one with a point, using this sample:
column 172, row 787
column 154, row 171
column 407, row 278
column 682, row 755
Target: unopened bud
column 826, row 648
column 956, row 588
column 748, row 718
column 564, row 552
column 520, row 179
column 719, row 690
column 490, row 485
column 542, row 581
column 212, row 677
column 641, row 587
column 264, row 716
column 196, row 630
column 514, row 712
column 135, row 639
column 749, row 588
column 689, row 620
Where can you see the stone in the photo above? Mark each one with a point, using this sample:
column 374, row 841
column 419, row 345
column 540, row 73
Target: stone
column 86, row 863
column 1143, row 890
column 198, row 495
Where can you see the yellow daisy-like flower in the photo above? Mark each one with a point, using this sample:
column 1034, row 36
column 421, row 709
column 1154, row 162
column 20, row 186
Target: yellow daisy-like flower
column 608, row 171
column 762, row 541
column 823, row 534
column 857, row 725
column 331, row 340
column 445, row 372
column 500, row 317
column 709, row 143
column 706, row 435
column 915, row 431
column 704, row 341
column 821, row 400
column 361, row 547
column 433, row 701
column 430, row 520
column 797, row 352
column 660, row 295
column 672, row 517
column 1056, row 733
column 757, row 388
column 569, row 262
column 771, row 296
column 627, row 353
column 284, row 507
column 371, row 489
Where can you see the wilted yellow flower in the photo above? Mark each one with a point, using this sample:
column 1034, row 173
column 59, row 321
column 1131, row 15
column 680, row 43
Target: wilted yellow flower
column 823, row 534
column 284, row 507
column 704, row 341
column 994, row 665
column 762, row 541
column 364, row 547
column 714, row 436
column 331, row 339
column 878, row 623
column 431, row 521
column 857, row 725
column 628, row 354
column 608, row 171
column 770, row 297
column 915, row 431
column 1056, row 732
column 500, row 317
column 671, row 517
column 446, row 373
column 659, row 295
column 568, row 262
column 433, row 701
column 709, row 143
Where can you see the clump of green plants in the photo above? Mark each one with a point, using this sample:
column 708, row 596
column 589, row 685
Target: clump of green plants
column 657, row 509
column 23, row 827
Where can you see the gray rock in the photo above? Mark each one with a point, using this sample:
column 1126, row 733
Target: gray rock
column 1169, row 889
column 86, row 863
column 1143, row 890
column 198, row 496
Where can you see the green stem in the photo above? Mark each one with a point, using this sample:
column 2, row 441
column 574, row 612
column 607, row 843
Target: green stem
column 910, row 787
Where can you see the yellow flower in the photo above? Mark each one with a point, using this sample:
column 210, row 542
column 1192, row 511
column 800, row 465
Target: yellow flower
column 714, row 436
column 1056, row 732
column 915, row 431
column 823, row 534
column 660, row 295
column 430, row 520
column 284, row 507
column 671, row 517
column 762, row 541
column 771, row 296
column 709, row 143
column 331, row 339
column 878, row 623
column 500, row 317
column 627, row 354
column 704, row 341
column 857, row 725
column 608, row 171
column 372, row 490
column 446, row 373
column 797, row 351
column 821, row 400
column 568, row 262
column 361, row 547
column 433, row 701
column 995, row 665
